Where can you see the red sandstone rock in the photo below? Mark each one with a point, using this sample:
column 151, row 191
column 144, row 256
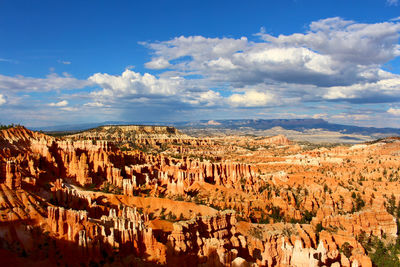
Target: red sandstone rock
column 41, row 179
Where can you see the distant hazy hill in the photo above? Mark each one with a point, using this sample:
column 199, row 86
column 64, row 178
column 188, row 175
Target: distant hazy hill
column 86, row 126
column 288, row 124
column 313, row 130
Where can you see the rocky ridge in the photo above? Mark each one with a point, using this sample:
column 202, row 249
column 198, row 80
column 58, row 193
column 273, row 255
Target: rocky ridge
column 89, row 199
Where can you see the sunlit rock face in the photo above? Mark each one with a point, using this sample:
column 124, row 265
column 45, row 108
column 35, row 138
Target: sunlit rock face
column 140, row 195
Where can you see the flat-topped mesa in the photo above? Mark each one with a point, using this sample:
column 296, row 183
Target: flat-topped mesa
column 130, row 133
column 140, row 135
column 143, row 129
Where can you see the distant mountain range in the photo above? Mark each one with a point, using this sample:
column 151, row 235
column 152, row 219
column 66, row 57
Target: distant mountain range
column 299, row 125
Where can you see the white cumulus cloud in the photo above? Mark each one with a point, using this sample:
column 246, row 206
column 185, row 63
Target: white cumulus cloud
column 62, row 103
column 251, row 99
column 333, row 62
column 335, row 59
column 94, row 104
column 2, row 100
column 133, row 87
column 70, row 109
column 134, row 83
column 347, row 41
column 51, row 82
column 394, row 111
column 158, row 64
column 385, row 88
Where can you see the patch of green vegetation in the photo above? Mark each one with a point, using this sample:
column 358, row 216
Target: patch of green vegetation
column 251, row 148
column 90, row 187
column 63, row 133
column 256, row 233
column 215, row 207
column 384, row 253
column 171, row 217
column 176, row 156
column 263, row 188
column 110, row 188
column 381, row 254
column 346, row 249
column 162, row 214
column 276, row 214
column 179, row 198
column 311, row 146
column 386, row 256
column 12, row 125
column 359, row 203
column 391, row 206
column 326, row 188
column 307, row 216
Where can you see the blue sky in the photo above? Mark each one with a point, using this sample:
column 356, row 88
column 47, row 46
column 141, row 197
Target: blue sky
column 92, row 61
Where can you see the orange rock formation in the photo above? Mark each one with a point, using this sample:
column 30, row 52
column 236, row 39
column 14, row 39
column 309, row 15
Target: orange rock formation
column 93, row 198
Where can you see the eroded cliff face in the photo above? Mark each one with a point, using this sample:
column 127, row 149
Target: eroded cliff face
column 139, row 134
column 265, row 202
